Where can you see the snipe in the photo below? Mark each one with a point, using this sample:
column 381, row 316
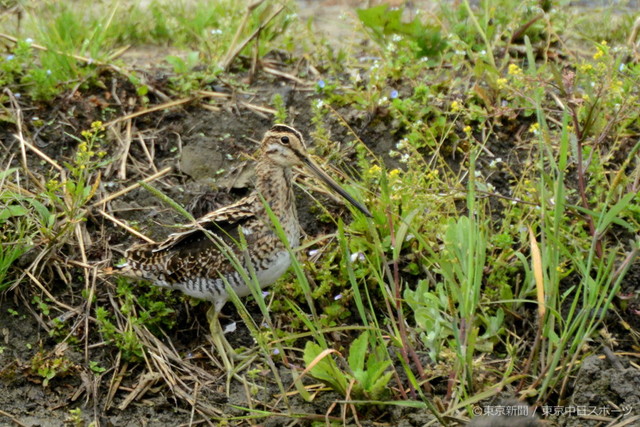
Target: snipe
column 197, row 261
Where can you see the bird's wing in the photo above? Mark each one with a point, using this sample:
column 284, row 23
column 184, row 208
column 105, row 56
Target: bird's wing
column 222, row 223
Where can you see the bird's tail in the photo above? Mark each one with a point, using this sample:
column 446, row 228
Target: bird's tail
column 142, row 262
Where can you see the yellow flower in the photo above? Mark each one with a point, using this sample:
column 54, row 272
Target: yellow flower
column 534, row 128
column 467, row 130
column 586, row 67
column 374, row 170
column 514, row 70
column 601, row 50
column 52, row 184
column 502, row 83
column 86, row 134
column 455, row 106
column 393, row 173
column 433, row 174
column 616, row 85
column 96, row 125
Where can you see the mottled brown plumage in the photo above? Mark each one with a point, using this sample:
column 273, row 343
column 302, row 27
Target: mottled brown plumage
column 196, row 260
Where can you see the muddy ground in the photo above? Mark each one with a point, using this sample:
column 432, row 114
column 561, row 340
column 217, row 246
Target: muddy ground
column 197, row 144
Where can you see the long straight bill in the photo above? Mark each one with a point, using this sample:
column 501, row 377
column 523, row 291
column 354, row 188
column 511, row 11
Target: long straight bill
column 335, row 186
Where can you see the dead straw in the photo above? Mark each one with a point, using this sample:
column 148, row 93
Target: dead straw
column 126, row 227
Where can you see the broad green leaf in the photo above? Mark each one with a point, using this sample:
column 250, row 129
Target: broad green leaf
column 11, row 211
column 401, row 233
column 358, row 352
column 325, row 369
column 614, row 212
column 379, row 387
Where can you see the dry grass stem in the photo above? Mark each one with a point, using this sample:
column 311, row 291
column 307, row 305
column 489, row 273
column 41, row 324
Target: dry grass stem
column 125, row 226
column 165, row 106
column 124, row 191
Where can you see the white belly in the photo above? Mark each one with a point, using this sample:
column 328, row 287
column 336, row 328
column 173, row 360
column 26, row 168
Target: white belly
column 276, row 268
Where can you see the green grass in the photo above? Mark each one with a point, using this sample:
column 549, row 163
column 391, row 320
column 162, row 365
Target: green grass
column 59, row 46
column 505, row 212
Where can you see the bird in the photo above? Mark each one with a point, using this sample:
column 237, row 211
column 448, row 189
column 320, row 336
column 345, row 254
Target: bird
column 209, row 254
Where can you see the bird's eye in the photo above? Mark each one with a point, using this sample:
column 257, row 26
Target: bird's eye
column 284, row 139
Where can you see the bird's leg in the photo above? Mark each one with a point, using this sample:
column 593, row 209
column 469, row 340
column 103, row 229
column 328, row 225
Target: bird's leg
column 223, row 347
column 225, row 350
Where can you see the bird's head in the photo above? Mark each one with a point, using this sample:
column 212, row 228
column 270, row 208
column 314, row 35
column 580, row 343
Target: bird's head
column 284, row 146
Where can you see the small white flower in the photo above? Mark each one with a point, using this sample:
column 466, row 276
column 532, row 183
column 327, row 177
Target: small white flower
column 313, row 252
column 276, row 352
column 216, row 31
column 337, row 297
column 621, row 67
column 29, row 40
column 357, row 256
column 495, row 162
column 231, row 327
